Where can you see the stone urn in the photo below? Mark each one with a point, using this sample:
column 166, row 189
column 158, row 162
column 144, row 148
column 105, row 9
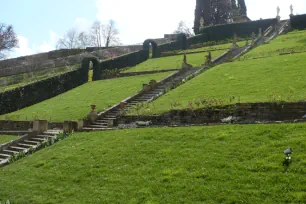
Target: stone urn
column 92, row 116
column 93, row 107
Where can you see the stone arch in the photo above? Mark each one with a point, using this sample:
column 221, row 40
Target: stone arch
column 183, row 39
column 146, row 46
column 96, row 67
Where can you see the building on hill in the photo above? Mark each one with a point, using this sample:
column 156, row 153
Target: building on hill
column 215, row 12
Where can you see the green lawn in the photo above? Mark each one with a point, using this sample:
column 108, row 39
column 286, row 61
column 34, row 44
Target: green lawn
column 221, row 164
column 6, row 138
column 294, row 41
column 216, row 47
column 75, row 104
column 173, row 62
column 280, row 78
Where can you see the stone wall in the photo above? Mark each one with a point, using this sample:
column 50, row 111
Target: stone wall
column 11, row 125
column 60, row 58
column 245, row 112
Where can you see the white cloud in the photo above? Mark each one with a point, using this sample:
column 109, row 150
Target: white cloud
column 50, row 44
column 23, row 48
column 267, row 8
column 138, row 20
column 82, row 24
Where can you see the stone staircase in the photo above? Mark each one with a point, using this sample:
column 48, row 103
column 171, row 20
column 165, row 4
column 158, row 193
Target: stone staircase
column 24, row 144
column 107, row 118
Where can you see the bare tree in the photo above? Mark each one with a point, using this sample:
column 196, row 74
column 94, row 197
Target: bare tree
column 183, row 28
column 84, row 40
column 69, row 41
column 106, row 35
column 8, row 39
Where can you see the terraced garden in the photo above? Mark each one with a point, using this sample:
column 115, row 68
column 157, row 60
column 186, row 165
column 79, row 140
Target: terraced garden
column 271, row 79
column 221, row 164
column 75, row 104
column 289, row 43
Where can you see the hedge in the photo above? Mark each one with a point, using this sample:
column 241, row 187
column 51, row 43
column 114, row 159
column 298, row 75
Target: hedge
column 31, row 94
column 298, row 22
column 123, row 61
column 222, row 32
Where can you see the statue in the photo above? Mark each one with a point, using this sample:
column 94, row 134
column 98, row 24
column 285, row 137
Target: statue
column 202, row 23
column 208, row 59
column 235, row 40
column 291, row 10
column 278, row 11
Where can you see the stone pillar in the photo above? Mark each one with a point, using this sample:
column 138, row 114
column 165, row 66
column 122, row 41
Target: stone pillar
column 110, row 123
column 153, row 83
column 40, row 126
column 70, row 126
column 122, row 105
column 146, row 87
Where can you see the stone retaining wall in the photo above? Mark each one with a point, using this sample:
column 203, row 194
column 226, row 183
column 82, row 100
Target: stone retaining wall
column 25, row 125
column 51, row 60
column 247, row 111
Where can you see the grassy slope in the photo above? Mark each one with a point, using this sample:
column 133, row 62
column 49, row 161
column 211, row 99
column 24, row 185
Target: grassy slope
column 295, row 41
column 6, row 138
column 173, row 62
column 222, row 46
column 274, row 78
column 222, row 164
column 75, row 104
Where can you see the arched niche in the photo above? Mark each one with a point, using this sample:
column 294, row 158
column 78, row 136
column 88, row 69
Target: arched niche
column 87, row 61
column 146, row 46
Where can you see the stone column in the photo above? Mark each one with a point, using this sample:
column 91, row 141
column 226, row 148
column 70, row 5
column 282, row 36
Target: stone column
column 70, row 126
column 146, row 87
column 40, row 126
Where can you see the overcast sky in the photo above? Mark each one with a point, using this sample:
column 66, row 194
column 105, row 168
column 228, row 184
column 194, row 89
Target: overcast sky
column 39, row 23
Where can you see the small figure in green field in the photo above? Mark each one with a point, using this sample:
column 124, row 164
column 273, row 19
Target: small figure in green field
column 208, row 59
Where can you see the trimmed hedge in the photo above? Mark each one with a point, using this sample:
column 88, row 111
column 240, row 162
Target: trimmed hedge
column 31, row 94
column 298, row 22
column 222, row 32
column 124, row 61
column 181, row 43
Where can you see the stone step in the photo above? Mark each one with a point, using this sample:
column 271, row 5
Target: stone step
column 97, row 126
column 18, row 148
column 100, row 123
column 38, row 139
column 11, row 152
column 5, row 156
column 88, row 129
column 31, row 142
column 25, row 145
column 109, row 118
column 46, row 136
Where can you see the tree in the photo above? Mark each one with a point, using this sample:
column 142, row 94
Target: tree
column 213, row 12
column 73, row 39
column 8, row 39
column 221, row 11
column 183, row 28
column 104, row 35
